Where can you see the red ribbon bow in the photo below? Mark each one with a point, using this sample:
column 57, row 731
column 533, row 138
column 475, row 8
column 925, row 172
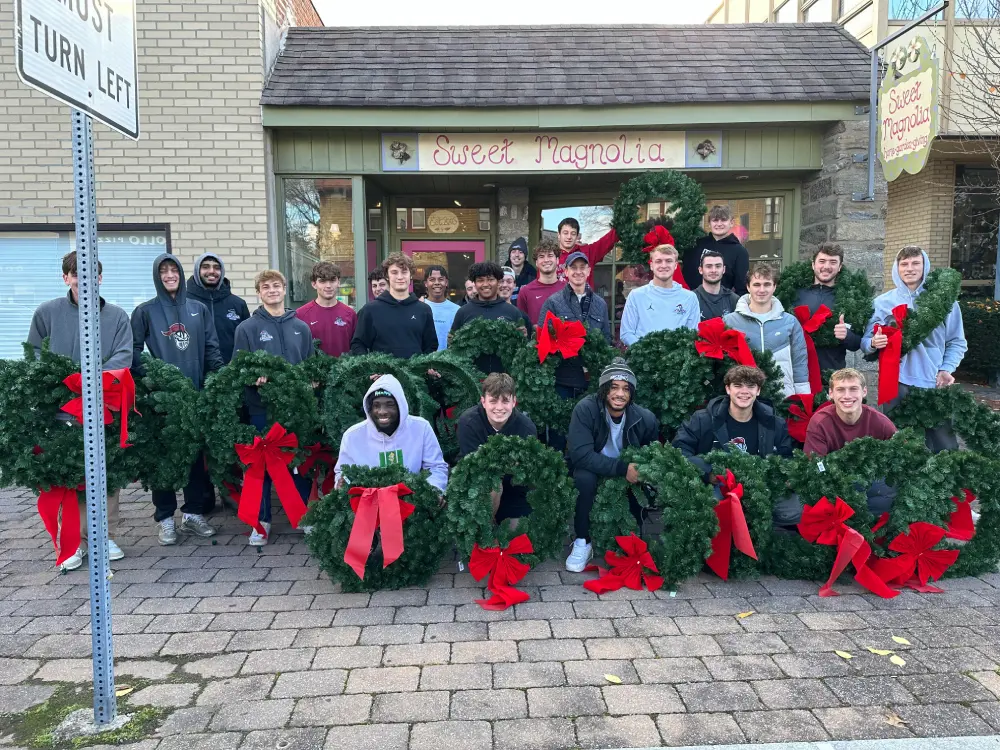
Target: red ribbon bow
column 504, row 571
column 824, row 523
column 890, row 358
column 812, row 322
column 917, row 563
column 717, row 341
column 270, row 454
column 800, row 413
column 119, row 395
column 567, row 340
column 658, row 235
column 960, row 525
column 629, row 571
column 733, row 529
column 320, row 458
column 377, row 508
column 64, row 499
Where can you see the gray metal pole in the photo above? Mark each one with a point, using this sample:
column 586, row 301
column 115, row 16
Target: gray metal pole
column 85, row 210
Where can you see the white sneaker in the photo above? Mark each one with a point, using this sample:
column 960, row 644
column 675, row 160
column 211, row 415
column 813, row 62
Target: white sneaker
column 579, row 556
column 168, row 533
column 258, row 540
column 307, row 530
column 197, row 525
column 114, row 551
column 76, row 559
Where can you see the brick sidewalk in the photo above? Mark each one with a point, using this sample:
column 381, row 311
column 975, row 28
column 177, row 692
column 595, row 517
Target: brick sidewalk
column 250, row 650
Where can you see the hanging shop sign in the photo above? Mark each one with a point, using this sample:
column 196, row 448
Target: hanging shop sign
column 908, row 110
column 550, row 151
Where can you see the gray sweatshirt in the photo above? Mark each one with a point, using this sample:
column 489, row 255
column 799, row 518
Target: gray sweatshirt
column 59, row 321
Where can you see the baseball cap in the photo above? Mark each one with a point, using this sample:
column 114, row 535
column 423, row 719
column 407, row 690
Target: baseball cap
column 576, row 255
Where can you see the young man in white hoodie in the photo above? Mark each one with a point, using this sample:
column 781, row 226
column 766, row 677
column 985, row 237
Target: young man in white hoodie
column 391, row 435
column 660, row 305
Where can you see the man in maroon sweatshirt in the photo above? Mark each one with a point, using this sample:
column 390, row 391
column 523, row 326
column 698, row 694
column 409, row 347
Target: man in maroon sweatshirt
column 331, row 322
column 568, row 236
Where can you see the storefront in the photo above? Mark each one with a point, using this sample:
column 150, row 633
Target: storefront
column 383, row 143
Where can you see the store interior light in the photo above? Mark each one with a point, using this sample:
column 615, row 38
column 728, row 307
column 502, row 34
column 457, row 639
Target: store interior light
column 458, row 204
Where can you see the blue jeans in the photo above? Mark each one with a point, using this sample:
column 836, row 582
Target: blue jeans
column 303, row 485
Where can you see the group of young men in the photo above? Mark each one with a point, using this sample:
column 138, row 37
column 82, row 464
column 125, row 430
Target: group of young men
column 198, row 325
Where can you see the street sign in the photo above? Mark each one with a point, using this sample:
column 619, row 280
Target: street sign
column 82, row 52
column 908, row 110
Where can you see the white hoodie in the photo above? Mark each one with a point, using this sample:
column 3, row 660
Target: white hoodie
column 413, row 444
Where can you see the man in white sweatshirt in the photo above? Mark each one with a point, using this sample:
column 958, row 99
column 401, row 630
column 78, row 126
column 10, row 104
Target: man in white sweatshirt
column 660, row 305
column 391, row 435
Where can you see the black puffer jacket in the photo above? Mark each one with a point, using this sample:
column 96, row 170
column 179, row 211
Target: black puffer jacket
column 589, row 432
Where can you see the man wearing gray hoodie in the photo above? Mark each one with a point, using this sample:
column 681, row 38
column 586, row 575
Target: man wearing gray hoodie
column 760, row 316
column 209, row 285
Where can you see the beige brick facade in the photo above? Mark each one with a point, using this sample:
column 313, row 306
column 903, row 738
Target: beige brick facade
column 200, row 163
column 921, row 208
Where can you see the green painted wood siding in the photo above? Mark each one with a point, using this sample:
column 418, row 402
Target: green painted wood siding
column 327, row 151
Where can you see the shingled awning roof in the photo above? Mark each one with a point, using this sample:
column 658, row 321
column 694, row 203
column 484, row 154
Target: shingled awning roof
column 524, row 66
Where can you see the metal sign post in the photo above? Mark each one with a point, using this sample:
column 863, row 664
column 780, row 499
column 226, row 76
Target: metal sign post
column 89, row 301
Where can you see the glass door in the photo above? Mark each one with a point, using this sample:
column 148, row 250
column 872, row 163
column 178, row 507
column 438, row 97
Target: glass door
column 455, row 255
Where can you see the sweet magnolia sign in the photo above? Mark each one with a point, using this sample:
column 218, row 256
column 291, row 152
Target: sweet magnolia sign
column 908, row 114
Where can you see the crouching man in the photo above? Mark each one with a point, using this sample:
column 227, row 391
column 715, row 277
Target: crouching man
column 602, row 426
column 738, row 421
column 496, row 414
column 391, row 435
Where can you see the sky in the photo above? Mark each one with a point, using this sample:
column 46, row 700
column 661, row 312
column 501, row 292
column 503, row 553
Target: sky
column 509, row 12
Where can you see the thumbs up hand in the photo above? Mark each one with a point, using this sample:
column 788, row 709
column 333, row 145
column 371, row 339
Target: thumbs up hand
column 840, row 330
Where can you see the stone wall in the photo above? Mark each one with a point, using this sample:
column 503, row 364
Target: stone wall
column 513, row 218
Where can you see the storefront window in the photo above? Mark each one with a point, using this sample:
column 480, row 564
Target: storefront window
column 32, row 273
column 820, row 11
column 974, row 229
column 758, row 223
column 977, row 9
column 907, row 10
column 463, row 215
column 318, row 226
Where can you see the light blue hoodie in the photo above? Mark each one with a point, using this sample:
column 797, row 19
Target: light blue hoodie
column 652, row 308
column 942, row 350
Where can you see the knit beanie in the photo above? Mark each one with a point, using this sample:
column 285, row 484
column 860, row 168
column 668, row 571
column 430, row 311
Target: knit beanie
column 617, row 370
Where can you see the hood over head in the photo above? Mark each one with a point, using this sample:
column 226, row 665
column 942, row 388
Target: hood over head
column 898, row 281
column 197, row 270
column 161, row 293
column 393, row 386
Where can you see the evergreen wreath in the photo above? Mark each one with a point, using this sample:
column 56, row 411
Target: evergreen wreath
column 932, row 306
column 674, row 380
column 536, row 382
column 853, row 297
column 39, row 451
column 316, row 369
column 348, row 382
column 500, row 338
column 332, row 519
column 687, row 204
column 168, row 435
column 610, row 515
column 529, row 463
column 925, row 408
column 455, row 391
column 287, row 395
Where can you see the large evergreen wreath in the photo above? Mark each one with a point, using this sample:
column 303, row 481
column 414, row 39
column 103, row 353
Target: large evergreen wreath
column 932, row 306
column 168, row 435
column 687, row 206
column 674, row 380
column 552, row 496
column 348, row 382
column 481, row 336
column 332, row 519
column 853, row 297
column 456, row 390
column 536, row 382
column 925, row 408
column 287, row 396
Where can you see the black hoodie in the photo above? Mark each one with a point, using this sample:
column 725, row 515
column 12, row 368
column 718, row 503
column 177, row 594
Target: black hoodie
column 402, row 328
column 735, row 256
column 495, row 309
column 830, row 357
column 285, row 336
column 227, row 310
column 177, row 330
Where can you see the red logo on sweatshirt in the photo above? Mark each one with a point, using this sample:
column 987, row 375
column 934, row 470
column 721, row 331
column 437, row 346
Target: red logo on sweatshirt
column 179, row 335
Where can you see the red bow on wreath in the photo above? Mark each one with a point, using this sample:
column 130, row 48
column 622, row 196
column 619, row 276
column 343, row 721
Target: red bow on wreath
column 377, row 508
column 825, row 523
column 800, row 413
column 890, row 358
column 269, row 455
column 319, row 460
column 917, row 563
column 569, row 338
column 960, row 525
column 812, row 322
column 629, row 571
column 658, row 235
column 717, row 341
column 50, row 503
column 503, row 569
column 119, row 395
column 733, row 529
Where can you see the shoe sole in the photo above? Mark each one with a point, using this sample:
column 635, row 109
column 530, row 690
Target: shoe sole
column 166, row 542
column 195, row 532
column 66, row 567
column 574, row 569
column 112, row 558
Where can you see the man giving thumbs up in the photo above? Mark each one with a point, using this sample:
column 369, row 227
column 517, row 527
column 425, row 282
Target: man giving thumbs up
column 827, row 262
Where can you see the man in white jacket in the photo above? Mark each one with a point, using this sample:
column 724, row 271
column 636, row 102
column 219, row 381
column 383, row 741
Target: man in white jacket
column 391, row 435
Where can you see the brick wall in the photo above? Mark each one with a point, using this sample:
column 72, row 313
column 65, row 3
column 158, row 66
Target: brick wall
column 297, row 13
column 199, row 165
column 921, row 208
